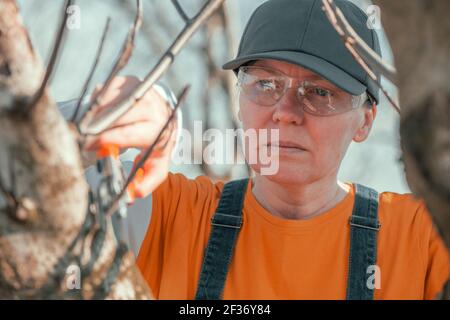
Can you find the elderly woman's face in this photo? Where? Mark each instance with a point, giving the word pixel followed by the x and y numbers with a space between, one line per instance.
pixel 322 141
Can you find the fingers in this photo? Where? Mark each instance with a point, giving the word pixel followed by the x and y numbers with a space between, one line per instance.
pixel 136 135
pixel 139 126
pixel 172 138
pixel 155 169
pixel 151 107
pixel 155 172
pixel 119 88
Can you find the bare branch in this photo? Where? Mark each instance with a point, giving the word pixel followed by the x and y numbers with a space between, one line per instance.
pixel 230 85
pixel 104 119
pixel 158 33
pixel 180 11
pixel 347 32
pixel 91 73
pixel 9 197
pixel 147 153
pixel 124 57
pixel 388 96
pixel 53 57
pixel 368 59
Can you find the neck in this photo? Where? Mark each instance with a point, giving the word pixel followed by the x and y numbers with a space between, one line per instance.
pixel 292 201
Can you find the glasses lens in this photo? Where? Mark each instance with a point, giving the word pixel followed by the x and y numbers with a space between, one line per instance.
pixel 265 87
pixel 261 86
pixel 322 101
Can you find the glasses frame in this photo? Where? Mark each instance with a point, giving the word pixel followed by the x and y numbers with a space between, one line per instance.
pixel 357 101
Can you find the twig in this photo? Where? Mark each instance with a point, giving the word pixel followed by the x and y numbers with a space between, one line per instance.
pixel 10 193
pixel 147 153
pixel 10 198
pixel 227 13
pixel 348 33
pixel 368 59
pixel 93 68
pixel 180 11
pixel 91 125
pixel 121 62
pixel 160 31
pixel 53 57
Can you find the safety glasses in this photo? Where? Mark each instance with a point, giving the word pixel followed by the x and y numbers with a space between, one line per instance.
pixel 266 86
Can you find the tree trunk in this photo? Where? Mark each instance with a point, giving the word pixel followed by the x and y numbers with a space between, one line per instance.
pixel 46 196
pixel 418 31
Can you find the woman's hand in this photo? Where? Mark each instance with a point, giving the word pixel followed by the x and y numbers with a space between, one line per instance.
pixel 138 128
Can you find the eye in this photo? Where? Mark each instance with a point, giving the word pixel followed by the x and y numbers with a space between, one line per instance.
pixel 323 93
pixel 266 85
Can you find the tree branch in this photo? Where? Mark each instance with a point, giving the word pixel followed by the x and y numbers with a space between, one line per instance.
pixel 91 73
pixel 180 10
pixel 122 61
pixel 91 125
pixel 368 59
pixel 53 57
pixel 9 197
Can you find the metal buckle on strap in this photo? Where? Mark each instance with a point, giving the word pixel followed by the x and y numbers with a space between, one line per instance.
pixel 365 227
pixel 227 225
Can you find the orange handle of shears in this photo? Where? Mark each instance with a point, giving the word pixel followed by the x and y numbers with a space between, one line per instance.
pixel 108 150
pixel 111 150
pixel 132 187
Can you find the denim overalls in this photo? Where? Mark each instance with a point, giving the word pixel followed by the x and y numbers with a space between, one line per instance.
pixel 227 221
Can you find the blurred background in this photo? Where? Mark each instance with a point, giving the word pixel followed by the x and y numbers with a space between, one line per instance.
pixel 212 98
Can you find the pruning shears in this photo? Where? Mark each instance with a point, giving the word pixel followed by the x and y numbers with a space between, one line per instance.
pixel 111 185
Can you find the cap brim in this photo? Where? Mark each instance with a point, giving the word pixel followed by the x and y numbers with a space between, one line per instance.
pixel 330 72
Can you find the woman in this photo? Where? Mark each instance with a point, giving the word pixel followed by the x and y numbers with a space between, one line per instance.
pixel 298 233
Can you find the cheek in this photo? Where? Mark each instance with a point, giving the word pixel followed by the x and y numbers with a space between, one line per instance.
pixel 253 116
pixel 255 122
pixel 331 137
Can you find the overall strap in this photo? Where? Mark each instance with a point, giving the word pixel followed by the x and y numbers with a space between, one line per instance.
pixel 226 224
pixel 364 226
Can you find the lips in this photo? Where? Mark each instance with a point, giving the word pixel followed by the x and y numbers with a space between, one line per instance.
pixel 286 145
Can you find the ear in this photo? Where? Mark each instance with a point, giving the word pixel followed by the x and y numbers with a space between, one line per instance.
pixel 364 129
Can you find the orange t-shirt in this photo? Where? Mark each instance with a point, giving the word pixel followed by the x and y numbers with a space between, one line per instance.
pixel 277 258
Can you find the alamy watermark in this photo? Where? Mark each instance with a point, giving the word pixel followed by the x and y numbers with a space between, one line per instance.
pixel 374 17
pixel 73 277
pixel 259 147
pixel 74 17
pixel 374 279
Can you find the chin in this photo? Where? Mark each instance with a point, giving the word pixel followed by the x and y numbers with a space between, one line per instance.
pixel 287 174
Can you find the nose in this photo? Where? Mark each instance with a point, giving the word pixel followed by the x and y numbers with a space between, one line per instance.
pixel 288 109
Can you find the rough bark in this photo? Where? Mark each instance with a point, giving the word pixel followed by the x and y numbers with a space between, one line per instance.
pixel 418 31
pixel 43 185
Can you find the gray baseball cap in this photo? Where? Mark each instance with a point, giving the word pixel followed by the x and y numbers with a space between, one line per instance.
pixel 298 32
